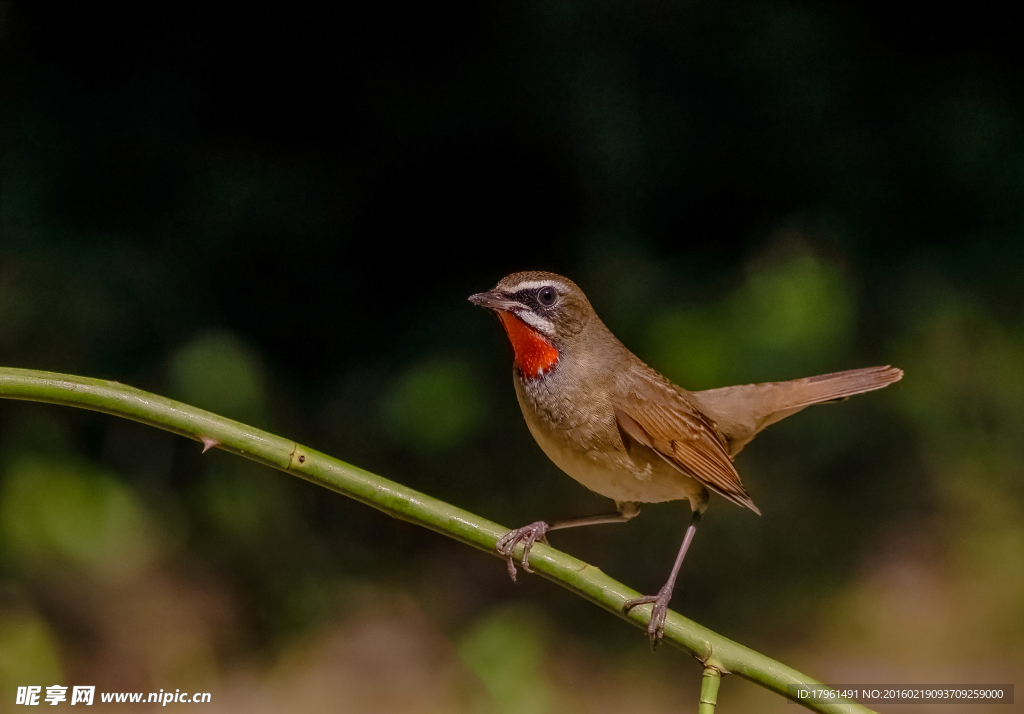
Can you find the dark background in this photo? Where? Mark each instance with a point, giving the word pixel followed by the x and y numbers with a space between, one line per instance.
pixel 276 212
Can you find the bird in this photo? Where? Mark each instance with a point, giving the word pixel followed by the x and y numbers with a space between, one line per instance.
pixel 624 431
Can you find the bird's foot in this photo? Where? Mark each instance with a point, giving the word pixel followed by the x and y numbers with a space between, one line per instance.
pixel 656 626
pixel 527 535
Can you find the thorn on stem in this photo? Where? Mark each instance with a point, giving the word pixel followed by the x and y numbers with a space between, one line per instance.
pixel 208 443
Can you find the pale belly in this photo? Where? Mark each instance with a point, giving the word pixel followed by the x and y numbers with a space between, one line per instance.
pixel 638 476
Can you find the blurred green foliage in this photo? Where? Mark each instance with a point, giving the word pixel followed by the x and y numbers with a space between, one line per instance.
pixel 507 649
pixel 794 313
pixel 28 651
pixel 435 404
pixel 53 509
pixel 216 372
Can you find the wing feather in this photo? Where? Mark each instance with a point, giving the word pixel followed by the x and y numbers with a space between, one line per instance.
pixel 686 440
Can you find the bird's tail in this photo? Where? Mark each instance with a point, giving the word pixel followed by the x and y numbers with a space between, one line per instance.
pixel 742 411
pixel 799 393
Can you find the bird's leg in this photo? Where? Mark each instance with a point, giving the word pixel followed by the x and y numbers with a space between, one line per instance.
pixel 528 535
pixel 656 627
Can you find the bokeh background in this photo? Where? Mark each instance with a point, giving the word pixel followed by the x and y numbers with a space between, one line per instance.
pixel 276 212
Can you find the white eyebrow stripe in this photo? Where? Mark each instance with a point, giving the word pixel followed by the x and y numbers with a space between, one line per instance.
pixel 534 284
pixel 536 321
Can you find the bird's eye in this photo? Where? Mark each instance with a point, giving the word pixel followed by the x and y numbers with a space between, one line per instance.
pixel 546 296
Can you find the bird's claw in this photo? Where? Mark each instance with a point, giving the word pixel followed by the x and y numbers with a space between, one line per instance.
pixel 656 625
pixel 527 535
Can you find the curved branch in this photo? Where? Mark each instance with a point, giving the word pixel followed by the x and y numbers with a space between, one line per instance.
pixel 396 500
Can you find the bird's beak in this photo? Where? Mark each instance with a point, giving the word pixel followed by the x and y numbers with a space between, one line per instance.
pixel 494 301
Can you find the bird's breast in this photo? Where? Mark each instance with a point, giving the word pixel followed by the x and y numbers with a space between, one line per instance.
pixel 575 426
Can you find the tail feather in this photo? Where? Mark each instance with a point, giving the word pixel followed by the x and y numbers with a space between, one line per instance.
pixel 801 393
pixel 741 412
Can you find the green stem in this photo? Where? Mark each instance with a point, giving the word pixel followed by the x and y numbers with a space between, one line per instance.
pixel 117 399
pixel 709 690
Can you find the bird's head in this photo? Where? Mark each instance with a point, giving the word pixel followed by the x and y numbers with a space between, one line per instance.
pixel 542 314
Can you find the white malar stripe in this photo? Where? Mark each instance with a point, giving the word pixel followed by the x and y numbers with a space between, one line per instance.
pixel 537 284
pixel 537 322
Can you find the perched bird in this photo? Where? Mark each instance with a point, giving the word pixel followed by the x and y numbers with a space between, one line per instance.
pixel 622 429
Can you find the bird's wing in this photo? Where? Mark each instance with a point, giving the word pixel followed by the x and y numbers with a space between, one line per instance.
pixel 687 440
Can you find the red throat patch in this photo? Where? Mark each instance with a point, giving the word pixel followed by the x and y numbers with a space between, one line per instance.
pixel 534 354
